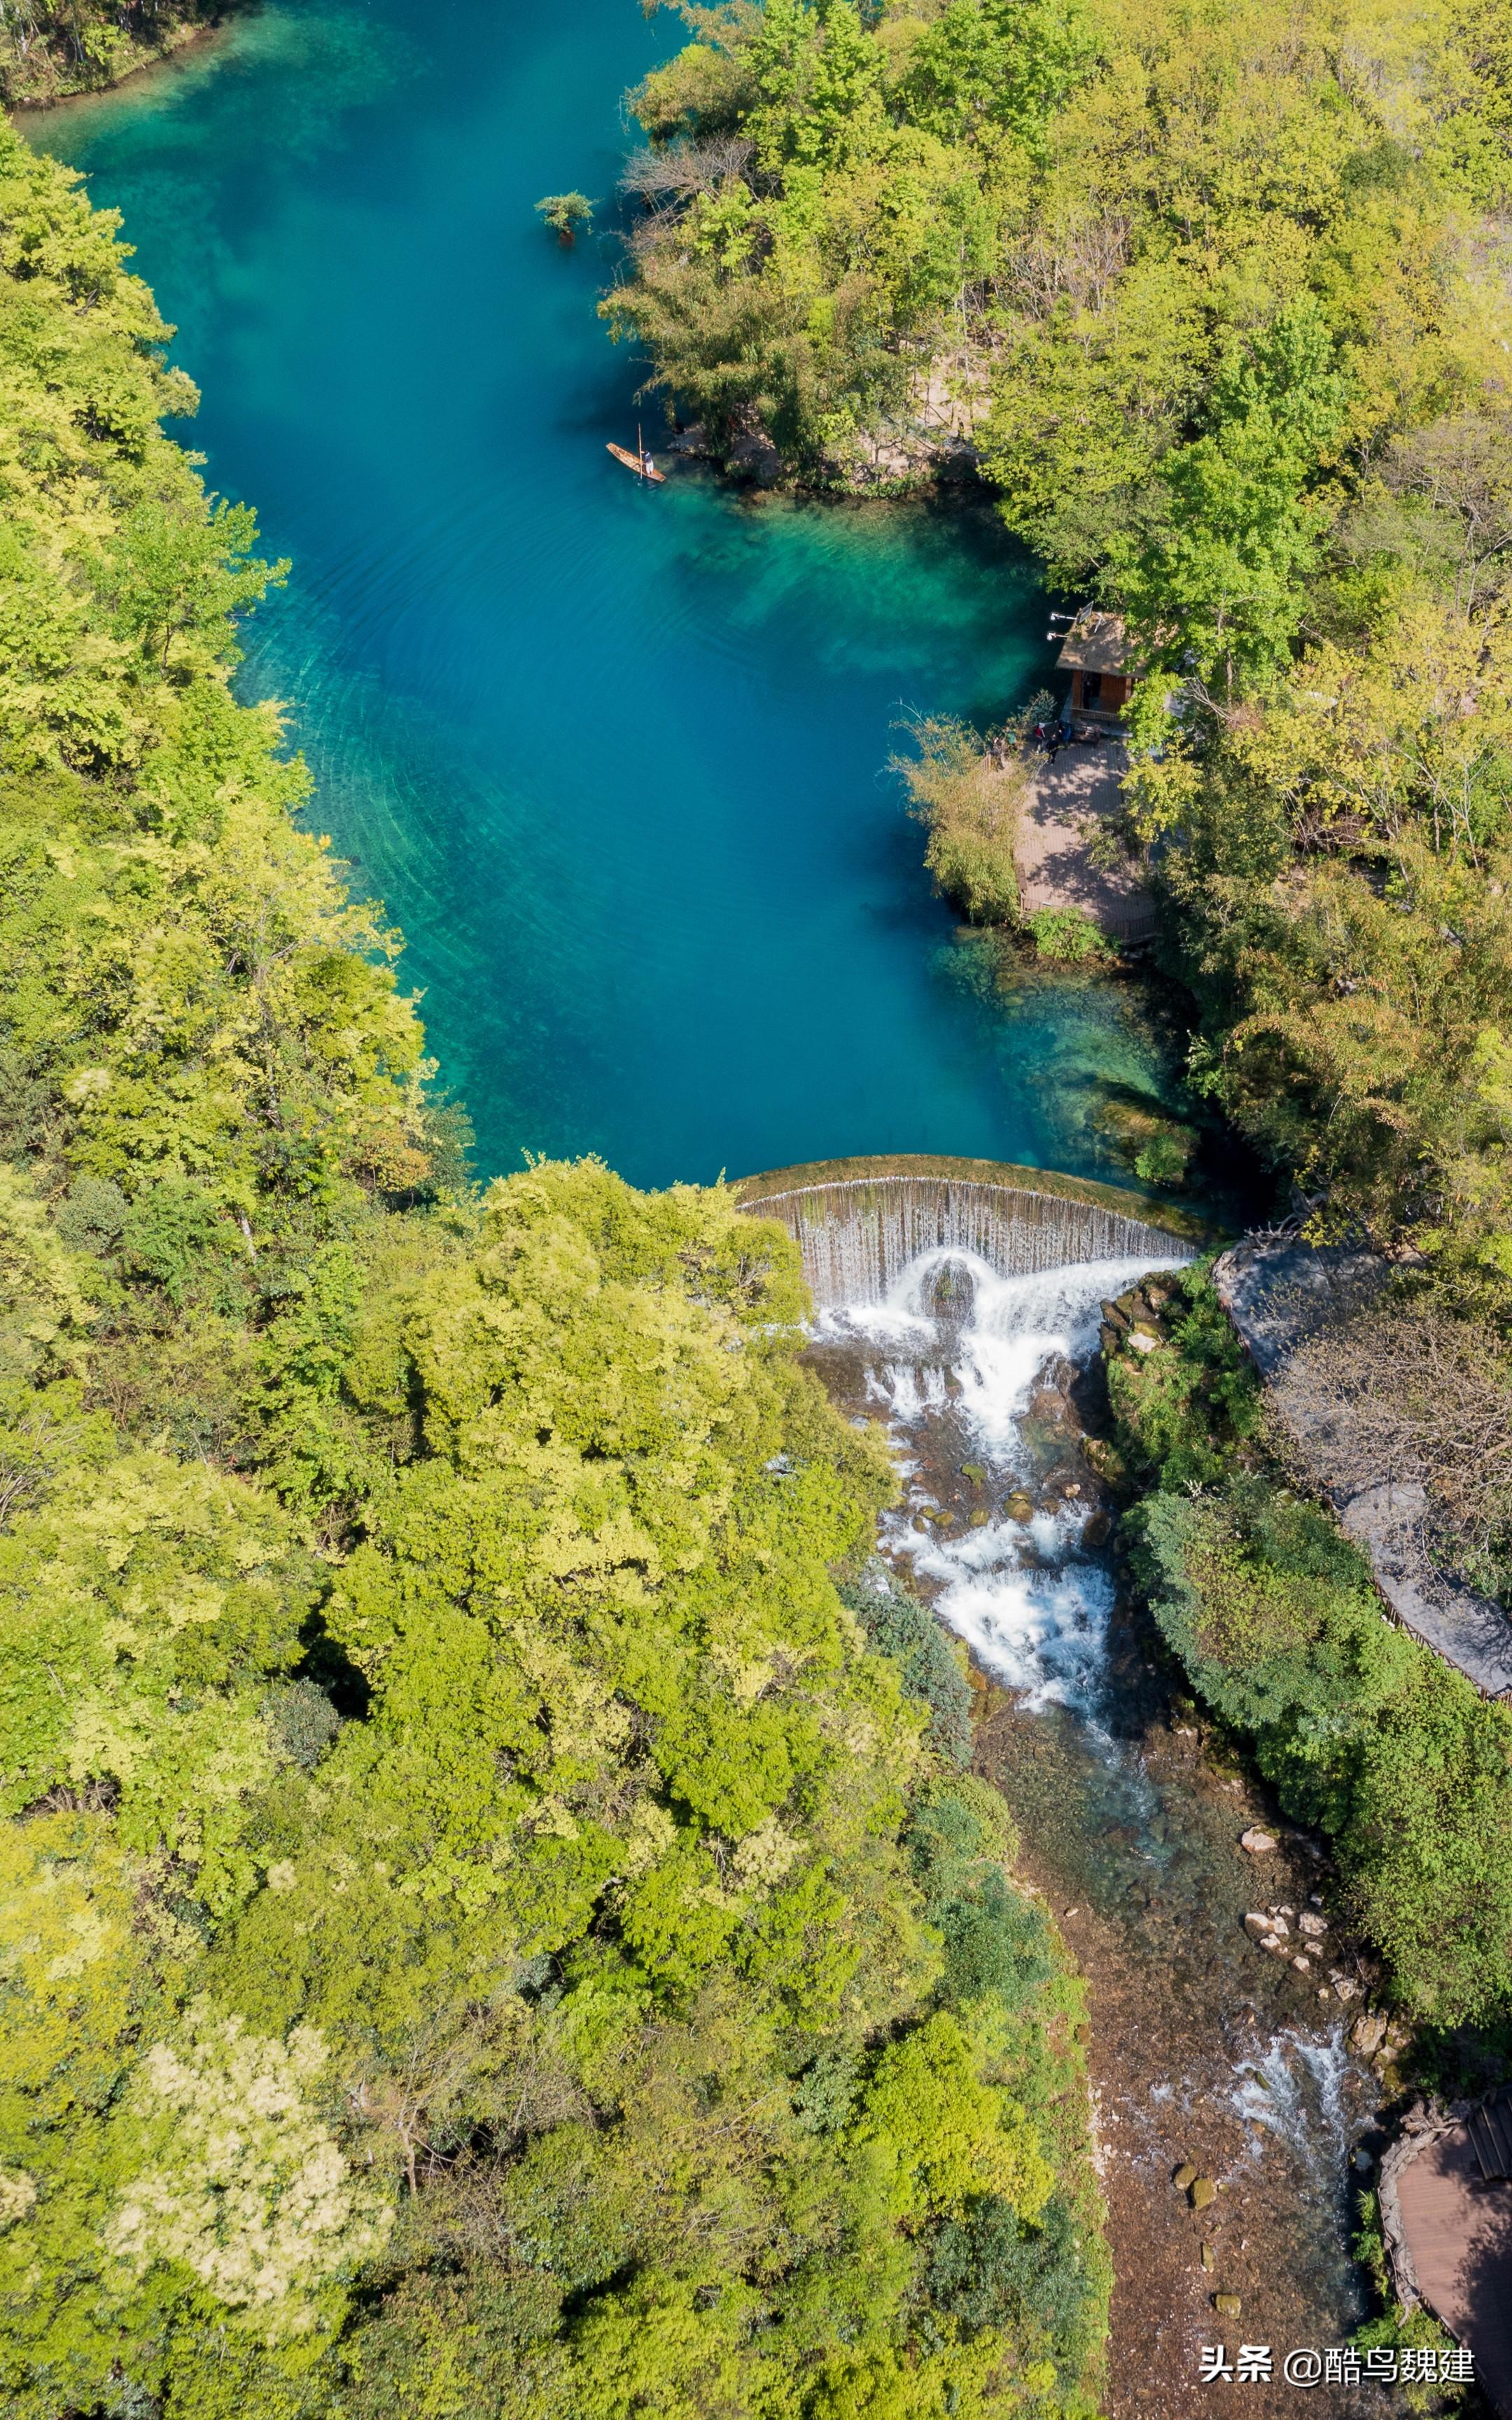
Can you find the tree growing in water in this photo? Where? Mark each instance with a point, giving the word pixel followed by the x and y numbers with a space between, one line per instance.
pixel 569 214
pixel 968 796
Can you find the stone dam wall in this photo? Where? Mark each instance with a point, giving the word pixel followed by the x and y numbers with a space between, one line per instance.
pixel 858 1224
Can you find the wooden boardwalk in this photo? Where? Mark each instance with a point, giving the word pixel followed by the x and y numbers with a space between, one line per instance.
pixel 1064 801
pixel 1448 2206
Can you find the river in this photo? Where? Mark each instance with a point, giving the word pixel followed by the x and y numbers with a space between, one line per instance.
pixel 616 760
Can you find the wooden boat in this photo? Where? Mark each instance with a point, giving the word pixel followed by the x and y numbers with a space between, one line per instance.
pixel 642 464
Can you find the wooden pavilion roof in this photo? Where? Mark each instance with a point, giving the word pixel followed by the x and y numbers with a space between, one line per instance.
pixel 1096 643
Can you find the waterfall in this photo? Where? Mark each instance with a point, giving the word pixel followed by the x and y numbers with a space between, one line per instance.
pixel 967 1352
pixel 858 1233
pixel 958 1379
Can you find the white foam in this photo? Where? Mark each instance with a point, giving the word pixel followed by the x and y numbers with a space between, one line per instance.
pixel 1029 1599
pixel 1042 1633
pixel 1294 2091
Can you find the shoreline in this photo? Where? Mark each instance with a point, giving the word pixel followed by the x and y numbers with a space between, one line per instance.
pixel 172 55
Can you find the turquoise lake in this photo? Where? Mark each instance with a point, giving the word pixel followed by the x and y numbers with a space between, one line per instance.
pixel 614 759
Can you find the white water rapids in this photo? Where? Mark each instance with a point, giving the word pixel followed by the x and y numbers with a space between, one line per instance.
pixel 1031 1604
pixel 968 1369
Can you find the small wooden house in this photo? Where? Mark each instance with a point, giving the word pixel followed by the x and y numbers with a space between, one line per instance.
pixel 1097 654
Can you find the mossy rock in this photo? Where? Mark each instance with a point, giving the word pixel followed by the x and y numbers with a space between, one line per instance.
pixel 1106 1461
pixel 1158 1147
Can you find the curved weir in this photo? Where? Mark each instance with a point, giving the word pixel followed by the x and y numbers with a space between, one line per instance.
pixel 860 1223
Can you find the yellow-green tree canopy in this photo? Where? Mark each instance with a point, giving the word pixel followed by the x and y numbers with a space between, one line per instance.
pixel 479 1918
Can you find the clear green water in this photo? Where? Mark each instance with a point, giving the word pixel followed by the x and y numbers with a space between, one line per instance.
pixel 613 759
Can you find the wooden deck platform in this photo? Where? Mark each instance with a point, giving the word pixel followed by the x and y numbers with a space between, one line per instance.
pixel 1446 2199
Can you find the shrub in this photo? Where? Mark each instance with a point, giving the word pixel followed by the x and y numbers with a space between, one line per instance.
pixel 1068 935
pixel 905 1631
pixel 992 2269
pixel 1184 1411
pixel 969 799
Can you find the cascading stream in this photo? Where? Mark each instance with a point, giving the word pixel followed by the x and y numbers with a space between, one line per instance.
pixel 1204 2048
pixel 960 1346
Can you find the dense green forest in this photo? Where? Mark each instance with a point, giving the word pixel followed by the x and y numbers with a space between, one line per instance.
pixel 1222 294
pixel 494 1917
pixel 52 47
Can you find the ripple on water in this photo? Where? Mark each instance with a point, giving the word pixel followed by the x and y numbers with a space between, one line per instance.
pixel 1298 2088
